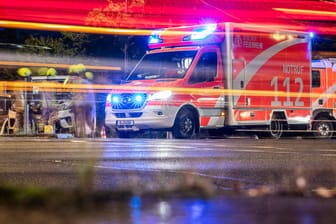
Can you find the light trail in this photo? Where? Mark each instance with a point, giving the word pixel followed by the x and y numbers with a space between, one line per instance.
pixel 105 88
pixel 36 64
pixel 307 12
pixel 73 28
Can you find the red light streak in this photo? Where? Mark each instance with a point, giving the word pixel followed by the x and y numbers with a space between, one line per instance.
pixel 308 12
pixel 72 28
pixel 157 14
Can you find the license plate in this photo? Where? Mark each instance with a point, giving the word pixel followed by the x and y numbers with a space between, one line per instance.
pixel 125 123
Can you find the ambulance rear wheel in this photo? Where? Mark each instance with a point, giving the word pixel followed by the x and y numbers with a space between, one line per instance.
pixel 276 128
pixel 323 128
pixel 185 124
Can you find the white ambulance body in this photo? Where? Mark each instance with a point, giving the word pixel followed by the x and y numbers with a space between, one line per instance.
pixel 217 77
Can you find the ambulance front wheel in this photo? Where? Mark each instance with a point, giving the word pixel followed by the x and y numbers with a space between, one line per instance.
pixel 185 124
pixel 323 128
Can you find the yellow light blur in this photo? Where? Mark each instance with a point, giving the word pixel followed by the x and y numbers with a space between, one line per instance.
pixel 306 12
pixel 100 88
pixel 72 28
pixel 35 64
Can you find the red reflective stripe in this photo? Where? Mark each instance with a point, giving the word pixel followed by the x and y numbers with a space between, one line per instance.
pixel 205 121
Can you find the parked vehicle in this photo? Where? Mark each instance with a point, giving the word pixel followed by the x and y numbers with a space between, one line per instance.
pixel 51 108
pixel 222 77
pixel 63 121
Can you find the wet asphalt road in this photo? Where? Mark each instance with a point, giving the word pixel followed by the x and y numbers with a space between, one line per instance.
pixel 148 165
pixel 154 163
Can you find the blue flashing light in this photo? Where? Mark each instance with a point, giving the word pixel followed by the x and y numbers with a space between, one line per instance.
pixel 202 32
pixel 311 34
pixel 115 99
pixel 128 100
pixel 155 37
pixel 138 98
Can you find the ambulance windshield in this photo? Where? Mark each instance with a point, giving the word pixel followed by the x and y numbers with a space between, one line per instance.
pixel 163 66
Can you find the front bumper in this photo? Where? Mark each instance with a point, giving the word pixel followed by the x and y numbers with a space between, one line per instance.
pixel 150 117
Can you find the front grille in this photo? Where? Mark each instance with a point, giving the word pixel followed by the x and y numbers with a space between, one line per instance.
pixel 128 115
pixel 129 101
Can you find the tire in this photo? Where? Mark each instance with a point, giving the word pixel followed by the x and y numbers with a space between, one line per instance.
pixel 276 128
pixel 184 125
pixel 323 128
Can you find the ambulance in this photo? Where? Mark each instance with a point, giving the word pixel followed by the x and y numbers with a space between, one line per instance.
pixel 220 78
pixel 323 97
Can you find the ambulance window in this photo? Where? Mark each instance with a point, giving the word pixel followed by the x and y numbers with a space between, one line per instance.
pixel 163 65
pixel 206 69
pixel 183 66
pixel 316 80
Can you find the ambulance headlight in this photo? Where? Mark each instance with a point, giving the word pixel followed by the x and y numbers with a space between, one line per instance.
pixel 162 95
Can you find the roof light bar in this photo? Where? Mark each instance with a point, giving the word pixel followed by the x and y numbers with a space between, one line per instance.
pixel 200 33
pixel 311 34
pixel 154 38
